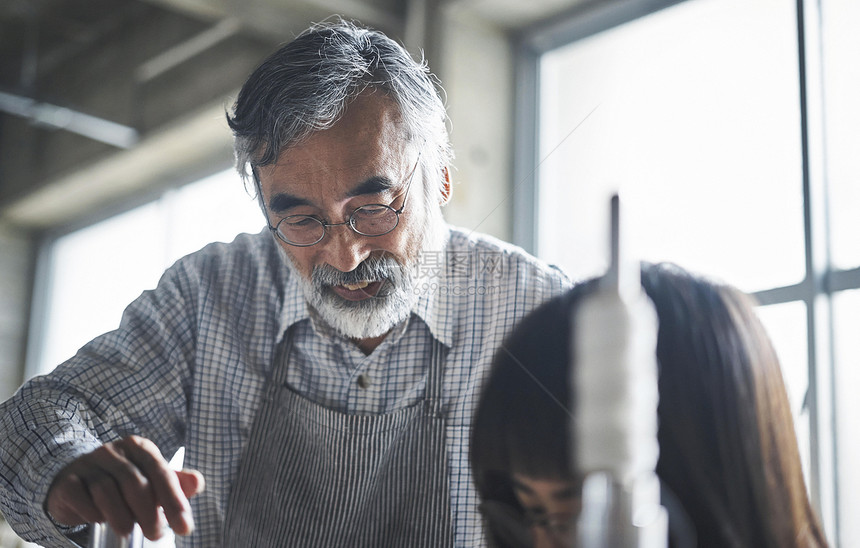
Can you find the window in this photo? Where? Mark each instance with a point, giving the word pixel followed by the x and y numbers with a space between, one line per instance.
pixel 713 119
pixel 847 378
pixel 699 139
pixel 840 41
pixel 94 272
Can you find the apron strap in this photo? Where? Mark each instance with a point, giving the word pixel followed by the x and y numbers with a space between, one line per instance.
pixel 436 373
pixel 282 353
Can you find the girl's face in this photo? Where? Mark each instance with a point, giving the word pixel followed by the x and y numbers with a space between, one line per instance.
pixel 551 507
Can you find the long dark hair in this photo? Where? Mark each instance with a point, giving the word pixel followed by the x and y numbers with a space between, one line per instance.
pixel 728 449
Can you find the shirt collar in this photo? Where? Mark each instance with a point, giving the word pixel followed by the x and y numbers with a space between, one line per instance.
pixel 435 301
pixel 295 306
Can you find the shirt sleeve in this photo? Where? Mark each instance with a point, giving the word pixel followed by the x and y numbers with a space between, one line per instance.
pixel 134 380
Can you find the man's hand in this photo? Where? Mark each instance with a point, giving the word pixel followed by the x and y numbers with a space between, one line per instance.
pixel 121 483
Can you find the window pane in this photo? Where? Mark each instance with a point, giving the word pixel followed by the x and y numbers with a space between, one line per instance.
pixel 214 209
pixel 693 113
pixel 846 325
pixel 99 270
pixel 786 325
pixel 841 43
pixel 96 271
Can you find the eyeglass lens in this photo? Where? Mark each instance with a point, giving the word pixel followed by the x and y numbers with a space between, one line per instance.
pixel 369 220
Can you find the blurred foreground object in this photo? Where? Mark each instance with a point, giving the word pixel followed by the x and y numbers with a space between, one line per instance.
pixel 614 433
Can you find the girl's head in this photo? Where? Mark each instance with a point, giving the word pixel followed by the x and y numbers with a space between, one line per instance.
pixel 727 446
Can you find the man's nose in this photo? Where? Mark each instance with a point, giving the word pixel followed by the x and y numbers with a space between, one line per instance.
pixel 344 249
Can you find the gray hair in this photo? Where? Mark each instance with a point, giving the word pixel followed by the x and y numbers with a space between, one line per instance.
pixel 306 85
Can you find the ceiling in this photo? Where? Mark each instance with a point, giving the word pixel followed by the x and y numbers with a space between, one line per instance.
pixel 91 91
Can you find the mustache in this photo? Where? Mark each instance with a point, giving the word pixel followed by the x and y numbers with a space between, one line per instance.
pixel 383 267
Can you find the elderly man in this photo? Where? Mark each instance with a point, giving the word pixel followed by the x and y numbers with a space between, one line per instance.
pixel 321 375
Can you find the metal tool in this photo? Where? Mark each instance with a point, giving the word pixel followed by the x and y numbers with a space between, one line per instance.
pixel 103 536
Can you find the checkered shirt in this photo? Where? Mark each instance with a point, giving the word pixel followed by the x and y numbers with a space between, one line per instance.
pixel 188 364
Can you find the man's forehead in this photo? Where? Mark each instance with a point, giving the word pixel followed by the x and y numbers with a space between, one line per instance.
pixel 326 169
pixel 369 132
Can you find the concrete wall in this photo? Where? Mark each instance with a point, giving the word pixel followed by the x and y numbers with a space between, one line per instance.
pixel 476 69
pixel 17 254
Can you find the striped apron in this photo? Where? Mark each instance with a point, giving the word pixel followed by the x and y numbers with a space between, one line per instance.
pixel 311 476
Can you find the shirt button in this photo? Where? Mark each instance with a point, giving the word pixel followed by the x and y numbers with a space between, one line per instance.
pixel 363 381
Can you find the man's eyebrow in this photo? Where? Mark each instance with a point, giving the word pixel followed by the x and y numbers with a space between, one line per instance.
pixel 282 201
pixel 374 185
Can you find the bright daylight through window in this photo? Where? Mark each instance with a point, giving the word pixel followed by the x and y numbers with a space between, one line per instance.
pixel 93 273
pixel 695 113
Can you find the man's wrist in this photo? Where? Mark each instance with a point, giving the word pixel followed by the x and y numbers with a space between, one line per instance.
pixel 65 529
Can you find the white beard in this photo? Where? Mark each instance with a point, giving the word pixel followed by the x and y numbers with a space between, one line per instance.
pixel 367 318
pixel 377 315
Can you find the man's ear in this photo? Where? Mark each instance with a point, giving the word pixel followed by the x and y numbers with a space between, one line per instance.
pixel 446 186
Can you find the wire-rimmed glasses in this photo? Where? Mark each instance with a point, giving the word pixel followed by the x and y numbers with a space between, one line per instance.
pixel 366 220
